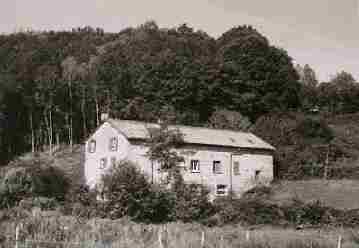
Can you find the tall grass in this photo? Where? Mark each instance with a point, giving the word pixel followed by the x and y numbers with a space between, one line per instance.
pixel 124 233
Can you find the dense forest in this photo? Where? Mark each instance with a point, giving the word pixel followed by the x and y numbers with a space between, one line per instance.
pixel 55 85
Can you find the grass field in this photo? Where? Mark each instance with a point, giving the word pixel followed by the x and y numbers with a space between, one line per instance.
pixel 340 194
pixel 124 233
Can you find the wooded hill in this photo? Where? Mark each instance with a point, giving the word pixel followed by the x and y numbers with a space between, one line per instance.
pixel 55 85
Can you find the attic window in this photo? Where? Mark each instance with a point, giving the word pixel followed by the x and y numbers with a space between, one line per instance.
pixel 91 146
pixel 113 144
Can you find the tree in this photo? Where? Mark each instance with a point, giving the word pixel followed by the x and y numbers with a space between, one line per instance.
pixel 295 136
pixel 255 77
pixel 162 143
pixel 48 78
pixel 340 94
pixel 127 192
pixel 69 67
pixel 307 76
pixel 226 119
pixel 308 91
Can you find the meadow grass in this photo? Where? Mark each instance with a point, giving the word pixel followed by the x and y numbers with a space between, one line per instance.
pixel 125 233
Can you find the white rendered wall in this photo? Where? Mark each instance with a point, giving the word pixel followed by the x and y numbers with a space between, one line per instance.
pixel 92 160
pixel 249 161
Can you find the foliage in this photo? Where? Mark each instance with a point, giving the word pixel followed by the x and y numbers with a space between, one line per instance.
pixel 192 203
pixel 55 85
pixel 314 129
pixel 127 192
pixel 304 144
pixel 162 144
pixel 339 95
pixel 307 76
pixel 252 208
pixel 42 203
pixel 134 74
pixel 313 213
pixel 226 119
pixel 31 178
pixel 244 55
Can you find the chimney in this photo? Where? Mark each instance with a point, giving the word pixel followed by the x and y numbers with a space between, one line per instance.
pixel 104 117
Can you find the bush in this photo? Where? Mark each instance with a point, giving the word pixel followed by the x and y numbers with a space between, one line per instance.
pixel 43 203
pixel 80 201
pixel 27 179
pixel 312 213
pixel 246 211
pixel 192 203
pixel 126 191
pixel 314 129
pixel 302 144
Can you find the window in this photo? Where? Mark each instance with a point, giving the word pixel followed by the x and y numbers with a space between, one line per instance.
pixel 91 146
pixel 103 163
pixel 256 174
pixel 236 168
pixel 113 144
pixel 217 167
pixel 113 161
pixel 221 189
pixel 195 166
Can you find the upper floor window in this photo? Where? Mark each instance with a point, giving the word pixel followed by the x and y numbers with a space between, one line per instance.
pixel 113 144
pixel 103 163
pixel 91 147
pixel 217 167
pixel 236 168
pixel 195 166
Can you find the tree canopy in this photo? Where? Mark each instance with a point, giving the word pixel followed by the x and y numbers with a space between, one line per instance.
pixel 55 85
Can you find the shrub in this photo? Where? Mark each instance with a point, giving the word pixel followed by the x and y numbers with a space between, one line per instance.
pixel 43 203
pixel 126 191
pixel 312 213
pixel 247 211
pixel 26 179
pixel 314 129
pixel 192 203
pixel 80 201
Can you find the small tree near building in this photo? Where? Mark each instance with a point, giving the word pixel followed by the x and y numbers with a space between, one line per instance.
pixel 162 144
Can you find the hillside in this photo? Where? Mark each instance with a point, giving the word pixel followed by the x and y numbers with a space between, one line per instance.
pixel 55 85
pixel 70 162
pixel 340 194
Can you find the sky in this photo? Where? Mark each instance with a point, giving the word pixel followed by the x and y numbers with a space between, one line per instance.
pixel 321 33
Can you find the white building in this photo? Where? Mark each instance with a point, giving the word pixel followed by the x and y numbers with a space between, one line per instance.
pixel 221 159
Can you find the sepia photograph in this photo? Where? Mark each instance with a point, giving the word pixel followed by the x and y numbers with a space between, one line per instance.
pixel 179 124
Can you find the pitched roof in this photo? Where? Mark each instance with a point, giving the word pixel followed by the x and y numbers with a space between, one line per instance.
pixel 193 135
